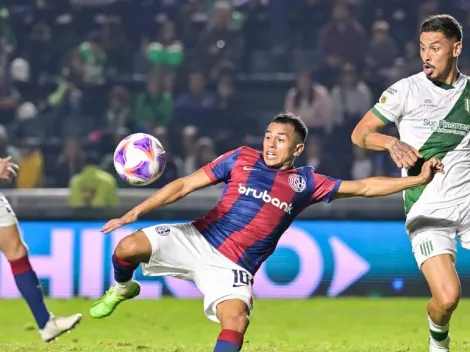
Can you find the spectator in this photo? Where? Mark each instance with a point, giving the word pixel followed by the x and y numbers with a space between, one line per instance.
pixel 69 163
pixel 314 152
pixel 341 40
pixel 93 187
pixel 7 38
pixel 66 104
pixel 140 63
pixel 412 63
pixel 154 107
pixel 95 59
pixel 351 98
pixel 42 52
pixel 116 46
pixel 7 149
pixel 167 51
pixel 119 113
pixel 75 68
pixel 219 42
pixel 204 153
pixel 9 99
pixel 27 122
pixel 198 106
pixel 382 48
pixel 312 16
pixel 31 166
pixel 229 129
pixel 309 100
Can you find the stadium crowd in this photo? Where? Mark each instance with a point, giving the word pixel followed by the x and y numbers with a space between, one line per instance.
pixel 203 76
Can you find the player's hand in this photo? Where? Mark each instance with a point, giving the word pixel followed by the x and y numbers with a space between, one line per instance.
pixel 429 169
pixel 8 169
pixel 402 154
pixel 114 224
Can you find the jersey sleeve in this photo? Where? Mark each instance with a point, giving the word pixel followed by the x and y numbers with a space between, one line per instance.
pixel 220 169
pixel 324 188
pixel 390 107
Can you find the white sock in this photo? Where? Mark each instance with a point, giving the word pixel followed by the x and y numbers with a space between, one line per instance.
pixel 122 287
pixel 438 333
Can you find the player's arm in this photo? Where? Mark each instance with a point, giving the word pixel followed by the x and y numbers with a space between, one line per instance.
pixel 366 134
pixel 174 191
pixel 216 171
pixel 390 108
pixel 170 193
pixel 383 186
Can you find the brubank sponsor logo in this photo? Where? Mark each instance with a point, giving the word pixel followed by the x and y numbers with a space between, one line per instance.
pixel 264 195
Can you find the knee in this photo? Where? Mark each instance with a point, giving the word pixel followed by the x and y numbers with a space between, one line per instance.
pixel 233 316
pixel 134 247
pixel 126 248
pixel 235 320
pixel 15 250
pixel 448 300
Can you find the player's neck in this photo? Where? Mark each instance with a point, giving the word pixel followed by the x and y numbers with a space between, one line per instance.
pixel 452 76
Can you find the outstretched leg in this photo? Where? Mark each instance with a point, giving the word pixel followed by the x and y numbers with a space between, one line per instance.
pixel 129 253
pixel 26 280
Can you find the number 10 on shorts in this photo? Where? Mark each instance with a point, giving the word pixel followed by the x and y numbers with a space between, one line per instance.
pixel 240 278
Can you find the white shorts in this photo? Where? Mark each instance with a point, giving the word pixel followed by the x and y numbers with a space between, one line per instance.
pixel 434 232
pixel 179 250
pixel 7 215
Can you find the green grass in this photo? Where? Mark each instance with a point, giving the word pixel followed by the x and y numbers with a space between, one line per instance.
pixel 168 325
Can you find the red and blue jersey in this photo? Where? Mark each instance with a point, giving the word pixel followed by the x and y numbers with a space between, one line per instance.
pixel 258 204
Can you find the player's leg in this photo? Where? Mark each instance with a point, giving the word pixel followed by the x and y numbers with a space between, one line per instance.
pixel 445 289
pixel 233 316
pixel 432 233
pixel 162 250
pixel 228 298
pixel 434 250
pixel 128 254
pixel 13 247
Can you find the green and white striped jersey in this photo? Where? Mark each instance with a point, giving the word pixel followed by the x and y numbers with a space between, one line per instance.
pixel 434 118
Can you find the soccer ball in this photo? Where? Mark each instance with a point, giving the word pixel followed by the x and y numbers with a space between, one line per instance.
pixel 139 159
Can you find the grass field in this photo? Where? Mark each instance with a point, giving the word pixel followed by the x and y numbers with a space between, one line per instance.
pixel 168 325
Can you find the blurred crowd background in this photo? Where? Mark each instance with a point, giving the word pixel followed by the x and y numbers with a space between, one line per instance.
pixel 203 76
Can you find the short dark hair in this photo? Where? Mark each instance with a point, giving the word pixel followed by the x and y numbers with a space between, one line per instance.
pixel 445 24
pixel 295 121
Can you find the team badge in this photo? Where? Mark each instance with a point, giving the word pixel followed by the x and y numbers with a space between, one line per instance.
pixel 297 183
pixel 163 230
pixel 383 99
pixel 426 247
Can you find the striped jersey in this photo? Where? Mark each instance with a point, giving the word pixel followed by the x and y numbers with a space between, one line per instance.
pixel 257 205
pixel 434 118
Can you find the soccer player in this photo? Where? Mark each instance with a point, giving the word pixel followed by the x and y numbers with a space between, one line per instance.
pixel 222 251
pixel 13 247
pixel 432 112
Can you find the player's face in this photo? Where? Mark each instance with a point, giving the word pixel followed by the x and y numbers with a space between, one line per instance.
pixel 439 54
pixel 281 146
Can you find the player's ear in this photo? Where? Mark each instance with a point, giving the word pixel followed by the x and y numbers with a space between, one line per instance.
pixel 457 49
pixel 299 148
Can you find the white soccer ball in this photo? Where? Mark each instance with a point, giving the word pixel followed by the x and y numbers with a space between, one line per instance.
pixel 139 159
